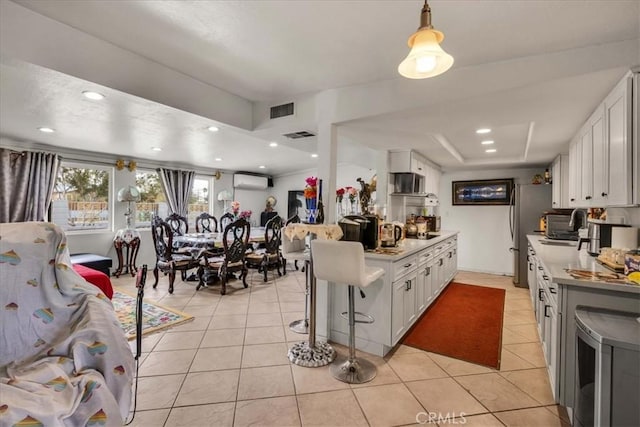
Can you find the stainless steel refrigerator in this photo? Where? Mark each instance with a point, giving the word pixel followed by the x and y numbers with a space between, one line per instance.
pixel 528 203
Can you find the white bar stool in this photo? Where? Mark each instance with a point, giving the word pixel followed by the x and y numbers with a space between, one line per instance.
pixel 295 250
pixel 342 262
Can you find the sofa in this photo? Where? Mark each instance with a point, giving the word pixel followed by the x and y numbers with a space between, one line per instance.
pixel 64 359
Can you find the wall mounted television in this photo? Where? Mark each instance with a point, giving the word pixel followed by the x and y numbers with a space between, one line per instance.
pixel 482 192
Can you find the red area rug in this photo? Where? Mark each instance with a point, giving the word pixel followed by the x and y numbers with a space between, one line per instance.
pixel 465 322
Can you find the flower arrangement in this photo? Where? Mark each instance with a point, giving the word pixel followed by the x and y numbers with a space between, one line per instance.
pixel 311 189
pixel 235 207
pixel 245 215
pixel 352 192
pixel 340 194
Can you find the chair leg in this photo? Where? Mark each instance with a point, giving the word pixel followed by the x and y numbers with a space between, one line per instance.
pixel 155 274
pixel 295 264
pixel 172 278
pixel 265 267
pixel 244 274
pixel 200 278
pixel 353 370
pixel 284 266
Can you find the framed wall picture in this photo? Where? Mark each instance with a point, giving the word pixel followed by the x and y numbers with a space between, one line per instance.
pixel 295 203
pixel 482 192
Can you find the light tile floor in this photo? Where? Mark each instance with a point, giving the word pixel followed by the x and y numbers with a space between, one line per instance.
pixel 229 367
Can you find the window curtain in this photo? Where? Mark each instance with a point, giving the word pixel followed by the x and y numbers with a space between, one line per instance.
pixel 28 179
pixel 177 188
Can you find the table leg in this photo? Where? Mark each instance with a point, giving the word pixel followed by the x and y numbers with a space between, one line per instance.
pixel 312 354
pixel 118 246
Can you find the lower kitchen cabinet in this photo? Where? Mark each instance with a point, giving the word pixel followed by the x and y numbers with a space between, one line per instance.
pixel 399 298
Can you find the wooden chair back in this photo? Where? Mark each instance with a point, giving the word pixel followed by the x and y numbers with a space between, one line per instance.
pixel 179 224
pixel 206 223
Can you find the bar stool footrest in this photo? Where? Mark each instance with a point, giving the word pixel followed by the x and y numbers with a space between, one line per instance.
pixel 369 319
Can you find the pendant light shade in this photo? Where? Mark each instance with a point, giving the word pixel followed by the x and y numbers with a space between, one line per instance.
pixel 426 58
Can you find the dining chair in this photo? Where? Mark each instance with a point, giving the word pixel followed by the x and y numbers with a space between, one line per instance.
pixel 235 240
pixel 292 220
pixel 269 255
pixel 168 259
pixel 225 220
pixel 179 224
pixel 206 223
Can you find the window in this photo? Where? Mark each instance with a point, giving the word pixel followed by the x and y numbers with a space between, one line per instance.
pixel 152 200
pixel 81 197
pixel 199 201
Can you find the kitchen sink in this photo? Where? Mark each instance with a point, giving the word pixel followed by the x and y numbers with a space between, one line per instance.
pixel 559 242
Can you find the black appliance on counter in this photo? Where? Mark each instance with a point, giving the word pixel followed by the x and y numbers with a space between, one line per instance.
pixel 361 228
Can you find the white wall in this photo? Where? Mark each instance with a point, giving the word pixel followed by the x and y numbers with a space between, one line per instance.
pixel 346 176
pixel 485 239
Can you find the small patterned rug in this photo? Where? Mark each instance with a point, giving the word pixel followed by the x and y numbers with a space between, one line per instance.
pixel 155 317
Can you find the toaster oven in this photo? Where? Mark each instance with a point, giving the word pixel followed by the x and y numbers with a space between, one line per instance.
pixel 558 228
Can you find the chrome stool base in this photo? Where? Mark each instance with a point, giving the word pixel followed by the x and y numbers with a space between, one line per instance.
pixel 300 326
pixel 303 354
pixel 353 371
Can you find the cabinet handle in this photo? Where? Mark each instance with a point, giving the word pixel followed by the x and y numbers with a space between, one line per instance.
pixel 554 203
pixel 408 265
pixel 427 272
pixel 540 267
pixel 450 253
pixel 573 200
pixel 545 310
pixel 540 292
pixel 588 198
pixel 545 277
pixel 441 261
pixel 552 290
pixel 604 194
pixel 530 265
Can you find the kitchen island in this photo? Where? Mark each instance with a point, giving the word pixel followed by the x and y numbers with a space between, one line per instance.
pixel 415 274
pixel 555 296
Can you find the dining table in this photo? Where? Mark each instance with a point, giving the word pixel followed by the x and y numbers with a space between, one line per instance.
pixel 196 243
pixel 312 353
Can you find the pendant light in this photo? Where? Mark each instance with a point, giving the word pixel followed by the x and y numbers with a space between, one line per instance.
pixel 426 58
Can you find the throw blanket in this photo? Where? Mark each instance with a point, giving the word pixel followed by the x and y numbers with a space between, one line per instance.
pixel 64 359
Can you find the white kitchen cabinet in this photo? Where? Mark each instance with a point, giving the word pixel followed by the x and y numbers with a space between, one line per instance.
pixel 405 162
pixel 618 131
pixel 404 305
pixel 603 157
pixel 560 182
pixel 574 173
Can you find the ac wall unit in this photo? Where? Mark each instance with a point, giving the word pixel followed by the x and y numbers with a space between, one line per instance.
pixel 250 182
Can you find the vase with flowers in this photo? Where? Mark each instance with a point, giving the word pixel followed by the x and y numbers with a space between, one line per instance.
pixel 352 193
pixel 245 215
pixel 339 197
pixel 235 208
pixel 311 198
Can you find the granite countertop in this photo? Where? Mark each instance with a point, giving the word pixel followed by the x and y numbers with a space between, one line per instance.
pixel 410 247
pixel 557 259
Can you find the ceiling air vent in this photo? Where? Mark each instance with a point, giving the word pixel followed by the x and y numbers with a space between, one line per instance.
pixel 282 110
pixel 297 135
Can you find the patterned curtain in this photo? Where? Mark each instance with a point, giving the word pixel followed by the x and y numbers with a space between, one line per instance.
pixel 177 188
pixel 27 181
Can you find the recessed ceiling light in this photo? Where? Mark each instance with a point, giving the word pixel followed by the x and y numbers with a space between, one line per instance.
pixel 46 130
pixel 273 144
pixel 483 130
pixel 314 155
pixel 490 150
pixel 261 167
pixel 218 159
pixel 487 142
pixel 93 95
pixel 213 128
pixel 156 148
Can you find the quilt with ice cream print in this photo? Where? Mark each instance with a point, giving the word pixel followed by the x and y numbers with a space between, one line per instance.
pixel 64 359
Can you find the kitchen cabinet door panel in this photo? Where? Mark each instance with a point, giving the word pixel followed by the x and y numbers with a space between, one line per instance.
pixel 618 133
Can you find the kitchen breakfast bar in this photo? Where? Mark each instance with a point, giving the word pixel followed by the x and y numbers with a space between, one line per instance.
pixel 415 274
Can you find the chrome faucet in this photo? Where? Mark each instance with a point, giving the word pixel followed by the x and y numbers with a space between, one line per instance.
pixel 583 218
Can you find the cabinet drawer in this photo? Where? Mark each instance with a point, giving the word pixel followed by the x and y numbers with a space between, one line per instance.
pixel 404 266
pixel 425 256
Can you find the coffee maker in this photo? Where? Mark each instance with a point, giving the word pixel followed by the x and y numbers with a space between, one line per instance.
pixel 362 228
pixel 598 236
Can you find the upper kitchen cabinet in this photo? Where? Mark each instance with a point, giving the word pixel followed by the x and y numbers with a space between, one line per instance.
pixel 560 182
pixel 603 157
pixel 618 110
pixel 412 162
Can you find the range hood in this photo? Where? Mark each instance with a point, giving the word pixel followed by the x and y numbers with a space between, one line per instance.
pixel 408 184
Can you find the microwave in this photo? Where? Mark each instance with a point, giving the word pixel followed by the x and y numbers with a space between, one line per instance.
pixel 408 183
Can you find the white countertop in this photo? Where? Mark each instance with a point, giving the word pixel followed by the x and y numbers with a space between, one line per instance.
pixel 556 259
pixel 411 247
